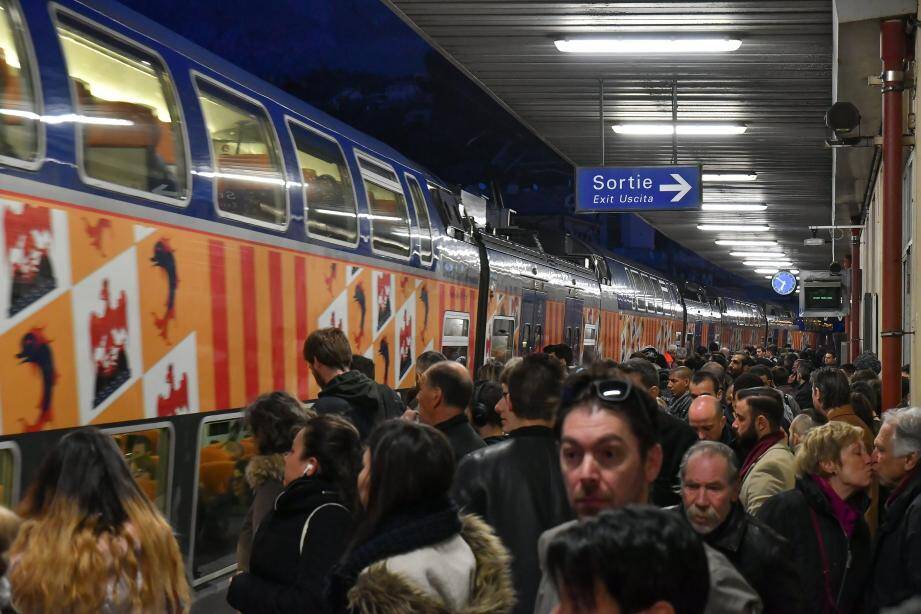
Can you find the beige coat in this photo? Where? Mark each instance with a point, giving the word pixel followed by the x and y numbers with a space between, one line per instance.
pixel 773 473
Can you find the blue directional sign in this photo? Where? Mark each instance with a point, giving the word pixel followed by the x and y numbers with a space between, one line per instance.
pixel 643 188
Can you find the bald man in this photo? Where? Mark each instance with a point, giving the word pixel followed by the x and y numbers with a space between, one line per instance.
pixel 679 384
pixel 444 394
pixel 706 417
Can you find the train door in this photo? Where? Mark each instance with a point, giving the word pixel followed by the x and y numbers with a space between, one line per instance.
pixel 698 336
pixel 572 327
pixel 531 333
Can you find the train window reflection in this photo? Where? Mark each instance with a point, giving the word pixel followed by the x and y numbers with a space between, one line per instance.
pixel 422 215
pixel 18 108
pixel 455 336
pixel 147 453
pixel 131 133
pixel 223 499
pixel 9 474
pixel 503 330
pixel 387 205
pixel 329 201
pixel 249 180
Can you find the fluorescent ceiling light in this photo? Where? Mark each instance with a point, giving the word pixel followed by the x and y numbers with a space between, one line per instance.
pixel 727 177
pixel 766 271
pixel 721 207
pixel 747 243
pixel 685 128
pixel 734 227
pixel 794 271
pixel 755 254
pixel 767 263
pixel 647 44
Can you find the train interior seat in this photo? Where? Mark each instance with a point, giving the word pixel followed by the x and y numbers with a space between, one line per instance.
pixel 215 476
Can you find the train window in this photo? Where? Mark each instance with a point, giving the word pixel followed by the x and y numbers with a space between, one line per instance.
pixel 639 300
pixel 422 215
pixel 387 205
pixel 19 110
pixel 131 135
pixel 249 175
pixel 526 338
pixel 589 344
pixel 538 336
pixel 10 467
pixel 223 497
pixel 329 198
pixel 503 331
pixel 148 452
pixel 455 335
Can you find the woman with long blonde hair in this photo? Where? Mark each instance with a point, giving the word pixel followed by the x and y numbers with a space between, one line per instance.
pixel 91 541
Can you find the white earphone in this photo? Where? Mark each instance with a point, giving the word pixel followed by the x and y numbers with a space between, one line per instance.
pixel 309 468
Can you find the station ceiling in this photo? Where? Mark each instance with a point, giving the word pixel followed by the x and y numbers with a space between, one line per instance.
pixel 778 84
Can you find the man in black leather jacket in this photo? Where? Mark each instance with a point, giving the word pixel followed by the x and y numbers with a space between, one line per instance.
pixel 710 503
pixel 516 486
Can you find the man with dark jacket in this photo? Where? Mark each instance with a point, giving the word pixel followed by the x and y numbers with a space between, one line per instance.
pixel 675 435
pixel 710 503
pixel 516 486
pixel 444 394
pixel 896 573
pixel 351 394
pixel 679 383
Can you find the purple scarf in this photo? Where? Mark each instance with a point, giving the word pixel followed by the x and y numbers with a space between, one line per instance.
pixel 845 513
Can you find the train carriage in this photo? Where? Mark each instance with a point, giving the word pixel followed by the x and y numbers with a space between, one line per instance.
pixel 172 228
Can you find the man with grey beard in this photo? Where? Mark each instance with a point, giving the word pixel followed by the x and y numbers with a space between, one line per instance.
pixel 709 476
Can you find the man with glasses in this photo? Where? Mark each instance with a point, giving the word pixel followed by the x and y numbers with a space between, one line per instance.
pixel 610 455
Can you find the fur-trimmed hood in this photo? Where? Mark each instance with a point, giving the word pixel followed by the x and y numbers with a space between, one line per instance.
pixel 265 468
pixel 380 591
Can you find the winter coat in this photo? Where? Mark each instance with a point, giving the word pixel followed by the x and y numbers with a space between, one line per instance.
pixel 729 592
pixel 461 435
pixel 773 473
pixel 362 400
pixel 676 436
pixel 896 571
pixel 467 572
pixel 680 405
pixel 763 558
pixel 294 549
pixel 789 514
pixel 265 475
pixel 846 414
pixel 516 486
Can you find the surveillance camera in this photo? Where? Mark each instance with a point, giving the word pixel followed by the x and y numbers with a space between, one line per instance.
pixel 834 268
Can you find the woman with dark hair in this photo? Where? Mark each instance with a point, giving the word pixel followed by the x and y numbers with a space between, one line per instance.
pixel 273 419
pixel 866 402
pixel 91 541
pixel 300 540
pixel 412 551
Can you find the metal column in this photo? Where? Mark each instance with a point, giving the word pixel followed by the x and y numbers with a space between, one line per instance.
pixel 854 317
pixel 893 51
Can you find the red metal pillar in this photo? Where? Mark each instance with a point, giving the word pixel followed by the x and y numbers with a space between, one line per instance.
pixel 854 317
pixel 893 49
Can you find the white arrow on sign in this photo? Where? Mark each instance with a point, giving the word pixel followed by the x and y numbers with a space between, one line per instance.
pixel 682 187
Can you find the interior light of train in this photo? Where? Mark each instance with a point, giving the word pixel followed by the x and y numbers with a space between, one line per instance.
pixel 67 118
pixel 248 178
pixel 647 45
pixel 727 177
pixel 722 207
pixel 743 243
pixel 681 128
pixel 734 227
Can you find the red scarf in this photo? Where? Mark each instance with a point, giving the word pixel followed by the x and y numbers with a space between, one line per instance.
pixel 758 451
pixel 845 513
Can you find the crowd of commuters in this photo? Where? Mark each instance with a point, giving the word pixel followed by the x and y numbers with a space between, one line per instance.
pixel 757 480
